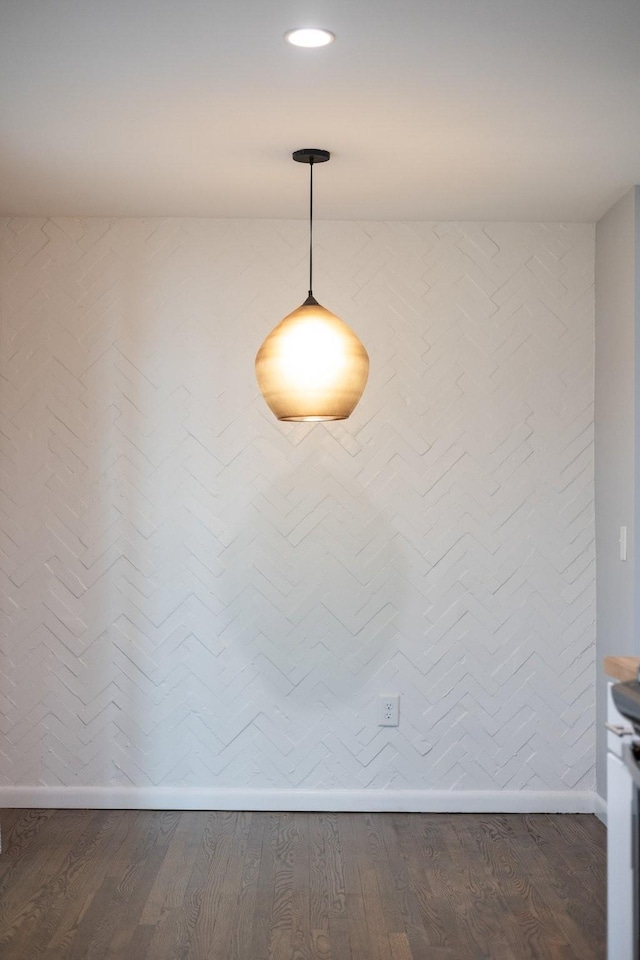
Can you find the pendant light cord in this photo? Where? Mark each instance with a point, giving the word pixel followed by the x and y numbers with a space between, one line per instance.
pixel 311 228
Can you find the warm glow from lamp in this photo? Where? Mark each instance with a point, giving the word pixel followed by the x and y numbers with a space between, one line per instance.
pixel 312 366
pixel 312 355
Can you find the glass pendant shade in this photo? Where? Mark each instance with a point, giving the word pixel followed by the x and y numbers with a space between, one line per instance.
pixel 312 366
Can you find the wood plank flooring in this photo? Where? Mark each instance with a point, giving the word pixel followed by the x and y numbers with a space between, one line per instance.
pixel 131 885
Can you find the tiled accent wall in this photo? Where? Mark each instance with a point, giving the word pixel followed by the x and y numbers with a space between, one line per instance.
pixel 194 594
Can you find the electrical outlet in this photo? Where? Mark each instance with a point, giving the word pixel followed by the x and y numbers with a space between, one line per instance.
pixel 388 709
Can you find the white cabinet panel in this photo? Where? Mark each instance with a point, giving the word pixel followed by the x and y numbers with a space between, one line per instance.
pixel 619 871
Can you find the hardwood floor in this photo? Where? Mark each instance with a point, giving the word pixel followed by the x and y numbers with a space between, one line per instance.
pixel 131 885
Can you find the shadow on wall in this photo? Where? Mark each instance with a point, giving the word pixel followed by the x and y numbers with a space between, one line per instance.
pixel 155 608
pixel 311 584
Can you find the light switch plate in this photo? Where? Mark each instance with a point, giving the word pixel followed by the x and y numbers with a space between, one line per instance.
pixel 623 543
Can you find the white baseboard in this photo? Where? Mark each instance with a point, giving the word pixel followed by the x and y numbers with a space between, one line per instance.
pixel 600 808
pixel 370 801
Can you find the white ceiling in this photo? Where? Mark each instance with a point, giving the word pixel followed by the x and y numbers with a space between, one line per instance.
pixel 433 109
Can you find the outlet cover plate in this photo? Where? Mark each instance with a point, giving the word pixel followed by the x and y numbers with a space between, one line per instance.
pixel 388 710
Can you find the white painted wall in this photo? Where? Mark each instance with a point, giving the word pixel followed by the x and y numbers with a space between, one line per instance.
pixel 616 426
pixel 195 596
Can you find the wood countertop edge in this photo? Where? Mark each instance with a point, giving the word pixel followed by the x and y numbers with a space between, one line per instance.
pixel 622 668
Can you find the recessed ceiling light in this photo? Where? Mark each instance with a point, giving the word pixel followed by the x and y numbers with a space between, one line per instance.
pixel 309 37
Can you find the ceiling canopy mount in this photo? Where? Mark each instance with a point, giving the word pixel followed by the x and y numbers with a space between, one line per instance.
pixel 311 155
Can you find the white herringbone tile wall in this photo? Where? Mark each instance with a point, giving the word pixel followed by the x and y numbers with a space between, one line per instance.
pixel 194 594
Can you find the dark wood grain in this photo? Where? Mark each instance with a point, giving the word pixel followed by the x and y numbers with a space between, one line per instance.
pixel 334 866
pixel 132 885
pixel 244 910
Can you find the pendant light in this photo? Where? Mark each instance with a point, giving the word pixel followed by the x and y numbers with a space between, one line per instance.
pixel 312 366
